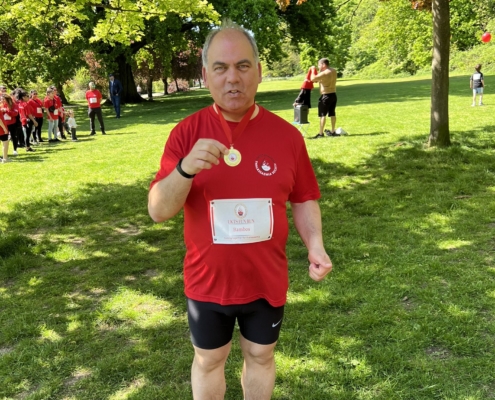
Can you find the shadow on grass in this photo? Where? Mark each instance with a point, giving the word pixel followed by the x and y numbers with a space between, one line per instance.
pixel 94 303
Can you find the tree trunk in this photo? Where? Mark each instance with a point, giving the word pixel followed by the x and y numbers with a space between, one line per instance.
pixel 149 86
pixel 165 85
pixel 439 123
pixel 129 91
pixel 60 92
pixel 177 89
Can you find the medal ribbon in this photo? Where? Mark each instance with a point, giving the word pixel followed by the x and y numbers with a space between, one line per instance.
pixel 239 128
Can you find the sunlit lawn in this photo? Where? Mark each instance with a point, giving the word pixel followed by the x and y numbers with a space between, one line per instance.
pixel 91 294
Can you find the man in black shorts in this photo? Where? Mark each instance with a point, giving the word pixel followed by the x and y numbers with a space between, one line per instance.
pixel 225 166
pixel 327 79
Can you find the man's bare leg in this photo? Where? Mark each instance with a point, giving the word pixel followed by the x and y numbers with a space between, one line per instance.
pixel 258 373
pixel 322 124
pixel 208 373
pixel 333 120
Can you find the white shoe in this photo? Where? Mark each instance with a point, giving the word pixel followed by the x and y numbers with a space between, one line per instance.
pixel 5 161
pixel 14 153
pixel 473 105
pixel 481 104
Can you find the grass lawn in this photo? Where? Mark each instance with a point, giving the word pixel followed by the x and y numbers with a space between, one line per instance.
pixel 91 292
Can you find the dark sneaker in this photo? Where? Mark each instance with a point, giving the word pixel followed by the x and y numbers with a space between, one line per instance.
pixel 92 134
pixel 318 136
pixel 52 140
pixel 30 149
pixel 103 133
pixel 335 134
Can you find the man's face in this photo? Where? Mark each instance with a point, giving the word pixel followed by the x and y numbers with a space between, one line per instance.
pixel 232 75
pixel 322 67
pixel 111 79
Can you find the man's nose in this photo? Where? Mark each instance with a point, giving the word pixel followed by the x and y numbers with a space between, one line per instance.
pixel 232 75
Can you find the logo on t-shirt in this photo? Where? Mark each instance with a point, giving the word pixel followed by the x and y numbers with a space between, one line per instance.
pixel 240 210
pixel 265 165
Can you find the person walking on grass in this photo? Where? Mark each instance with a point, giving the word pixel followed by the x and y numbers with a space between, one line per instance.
pixel 52 114
pixel 327 79
pixel 477 84
pixel 59 113
pixel 115 93
pixel 10 111
pixel 4 136
pixel 72 125
pixel 93 97
pixel 37 105
pixel 27 119
pixel 233 167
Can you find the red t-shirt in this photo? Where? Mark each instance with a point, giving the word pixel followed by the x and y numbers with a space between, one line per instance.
pixel 36 107
pixel 24 111
pixel 58 101
pixel 94 98
pixel 9 114
pixel 275 165
pixel 2 131
pixel 51 103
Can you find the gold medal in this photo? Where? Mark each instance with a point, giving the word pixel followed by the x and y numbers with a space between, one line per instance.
pixel 233 159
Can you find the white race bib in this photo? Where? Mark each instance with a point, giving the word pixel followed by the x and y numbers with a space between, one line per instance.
pixel 93 100
pixel 55 112
pixel 39 110
pixel 6 117
pixel 238 221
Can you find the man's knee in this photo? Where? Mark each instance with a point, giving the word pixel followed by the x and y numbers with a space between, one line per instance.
pixel 208 360
pixel 258 353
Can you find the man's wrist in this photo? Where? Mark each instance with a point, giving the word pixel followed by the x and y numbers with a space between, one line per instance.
pixel 182 172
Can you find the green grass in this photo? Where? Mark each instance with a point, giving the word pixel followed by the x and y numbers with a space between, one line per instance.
pixel 91 293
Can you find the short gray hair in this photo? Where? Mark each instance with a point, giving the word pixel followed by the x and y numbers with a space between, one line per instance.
pixel 229 24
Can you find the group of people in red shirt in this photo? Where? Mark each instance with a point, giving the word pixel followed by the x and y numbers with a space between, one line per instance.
pixel 21 119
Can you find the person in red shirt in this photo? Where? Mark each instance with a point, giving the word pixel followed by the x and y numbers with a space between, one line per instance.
pixel 52 113
pixel 4 135
pixel 37 107
pixel 93 97
pixel 10 112
pixel 233 167
pixel 27 119
pixel 60 109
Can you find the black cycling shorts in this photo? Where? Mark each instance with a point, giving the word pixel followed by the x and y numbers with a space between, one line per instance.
pixel 327 104
pixel 212 324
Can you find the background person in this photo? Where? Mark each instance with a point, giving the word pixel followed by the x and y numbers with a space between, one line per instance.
pixel 327 79
pixel 52 114
pixel 4 135
pixel 9 110
pixel 230 275
pixel 37 106
pixel 71 123
pixel 93 97
pixel 59 113
pixel 27 119
pixel 115 93
pixel 304 96
pixel 477 84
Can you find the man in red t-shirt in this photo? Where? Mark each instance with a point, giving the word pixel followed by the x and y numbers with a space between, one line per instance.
pixel 93 97
pixel 50 105
pixel 233 167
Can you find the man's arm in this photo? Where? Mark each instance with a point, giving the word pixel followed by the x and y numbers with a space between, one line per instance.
pixel 307 219
pixel 167 197
pixel 314 73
